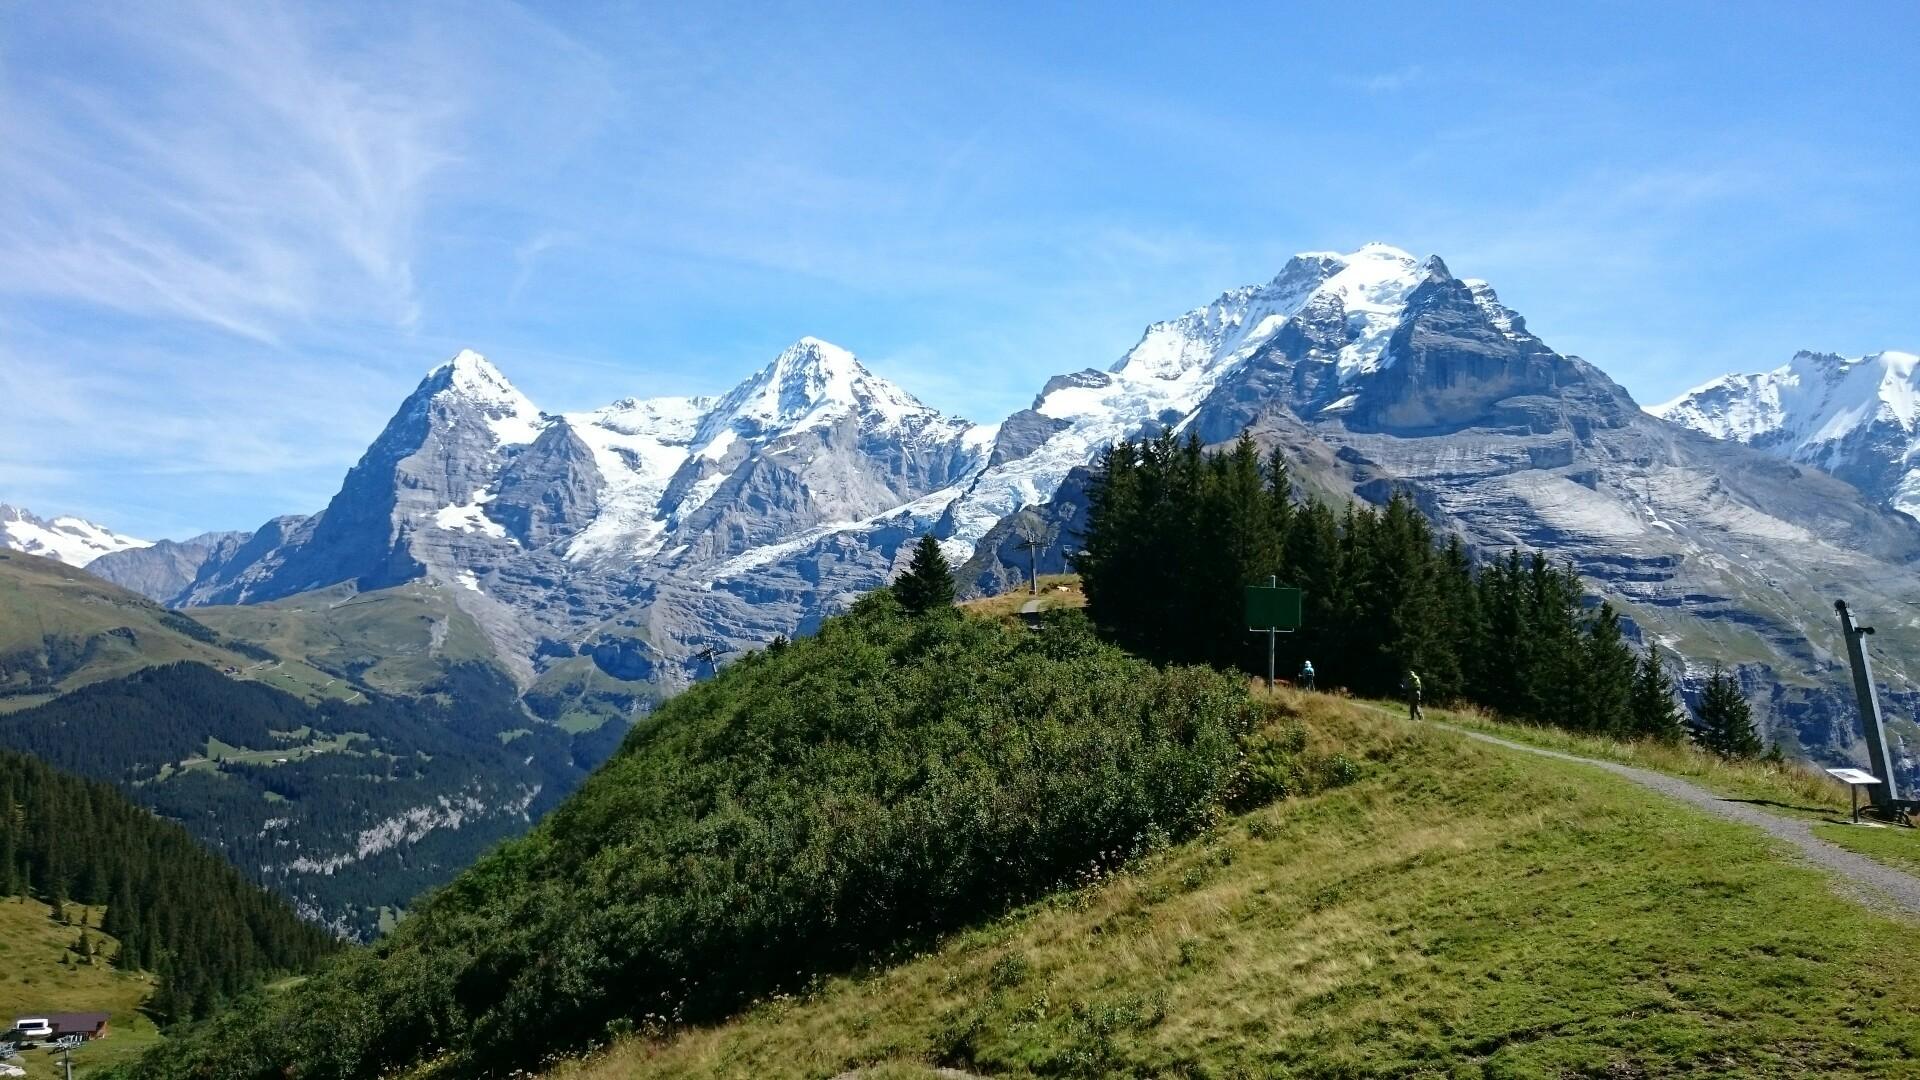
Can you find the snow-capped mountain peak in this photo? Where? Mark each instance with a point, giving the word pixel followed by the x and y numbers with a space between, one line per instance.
pixel 1353 301
pixel 809 382
pixel 1369 288
pixel 1855 417
pixel 1812 399
pixel 71 540
pixel 1372 286
pixel 807 376
pixel 470 379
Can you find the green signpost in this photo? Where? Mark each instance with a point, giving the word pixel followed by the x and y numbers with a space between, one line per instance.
pixel 1273 611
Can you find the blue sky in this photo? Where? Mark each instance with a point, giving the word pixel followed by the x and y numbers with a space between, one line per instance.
pixel 232 237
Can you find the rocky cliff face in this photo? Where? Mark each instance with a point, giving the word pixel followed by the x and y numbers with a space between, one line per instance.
pixel 632 538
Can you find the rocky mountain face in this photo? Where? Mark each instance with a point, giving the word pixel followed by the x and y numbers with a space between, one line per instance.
pixel 605 551
pixel 1377 372
pixel 165 568
pixel 615 546
pixel 74 541
pixel 1853 417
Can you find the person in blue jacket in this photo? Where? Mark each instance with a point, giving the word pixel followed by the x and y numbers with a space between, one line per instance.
pixel 1306 675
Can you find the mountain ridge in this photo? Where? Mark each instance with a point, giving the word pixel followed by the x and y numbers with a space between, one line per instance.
pixel 1855 417
pixel 632 539
pixel 643 502
pixel 72 540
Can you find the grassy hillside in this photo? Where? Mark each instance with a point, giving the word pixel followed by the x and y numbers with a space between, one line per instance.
pixel 818 863
pixel 61 628
pixel 1056 591
pixel 1788 788
pixel 1458 911
pixel 812 807
pixel 397 639
pixel 578 696
pixel 35 981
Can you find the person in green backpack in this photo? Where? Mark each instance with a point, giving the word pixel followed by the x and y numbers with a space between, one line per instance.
pixel 1411 684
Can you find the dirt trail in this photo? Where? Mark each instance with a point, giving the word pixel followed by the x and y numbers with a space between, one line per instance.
pixel 1874 884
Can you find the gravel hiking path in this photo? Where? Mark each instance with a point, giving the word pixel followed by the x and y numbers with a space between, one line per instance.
pixel 1873 884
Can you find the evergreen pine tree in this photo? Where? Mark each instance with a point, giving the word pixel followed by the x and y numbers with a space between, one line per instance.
pixel 128 957
pixel 927 584
pixel 1726 720
pixel 1604 701
pixel 1655 716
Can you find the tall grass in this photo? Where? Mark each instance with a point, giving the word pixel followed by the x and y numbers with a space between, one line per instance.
pixel 1786 785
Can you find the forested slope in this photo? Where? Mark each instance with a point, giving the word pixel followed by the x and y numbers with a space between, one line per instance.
pixel 350 810
pixel 176 908
pixel 813 808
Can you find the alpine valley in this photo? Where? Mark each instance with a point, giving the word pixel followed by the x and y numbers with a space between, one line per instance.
pixel 597 561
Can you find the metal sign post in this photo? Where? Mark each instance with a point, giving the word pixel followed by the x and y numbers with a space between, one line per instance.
pixel 1886 789
pixel 1273 611
pixel 1033 566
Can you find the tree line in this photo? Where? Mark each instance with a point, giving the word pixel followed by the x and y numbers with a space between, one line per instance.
pixel 177 909
pixel 1174 534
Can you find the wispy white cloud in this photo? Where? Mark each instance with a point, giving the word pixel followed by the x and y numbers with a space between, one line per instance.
pixel 213 227
pixel 229 174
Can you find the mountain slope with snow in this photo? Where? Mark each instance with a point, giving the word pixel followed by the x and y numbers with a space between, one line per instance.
pixel 74 541
pixel 1351 300
pixel 622 542
pixel 606 554
pixel 1715 551
pixel 1853 417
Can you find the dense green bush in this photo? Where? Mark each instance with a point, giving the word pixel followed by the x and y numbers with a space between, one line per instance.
pixel 812 806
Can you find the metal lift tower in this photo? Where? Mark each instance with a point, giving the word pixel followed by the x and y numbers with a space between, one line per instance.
pixel 1886 793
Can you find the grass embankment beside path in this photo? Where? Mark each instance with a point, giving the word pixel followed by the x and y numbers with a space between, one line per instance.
pixel 1056 591
pixel 34 982
pixel 1457 910
pixel 1788 789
